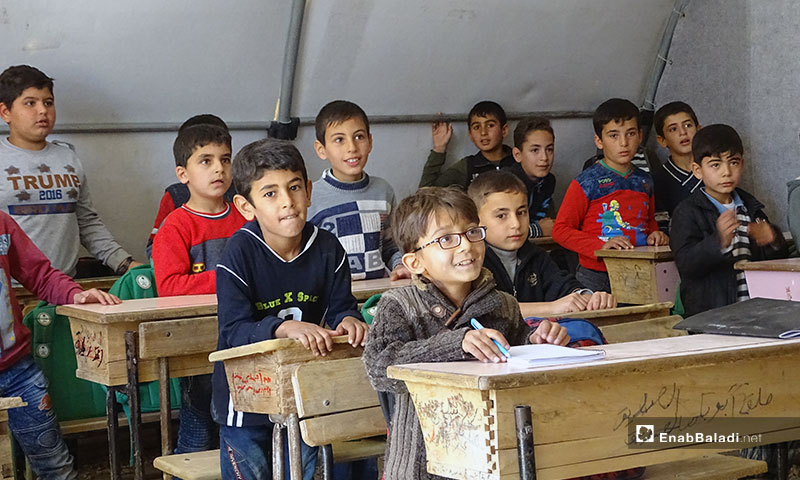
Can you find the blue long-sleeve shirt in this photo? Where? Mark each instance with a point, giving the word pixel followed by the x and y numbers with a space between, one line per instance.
pixel 257 290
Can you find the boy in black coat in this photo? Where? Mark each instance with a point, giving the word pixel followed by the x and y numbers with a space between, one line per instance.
pixel 719 225
pixel 519 267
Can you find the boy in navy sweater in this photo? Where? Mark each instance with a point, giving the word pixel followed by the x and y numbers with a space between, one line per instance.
pixel 280 277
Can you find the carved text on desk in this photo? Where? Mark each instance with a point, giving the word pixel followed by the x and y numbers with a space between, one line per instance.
pixel 89 345
pixel 737 400
pixel 252 383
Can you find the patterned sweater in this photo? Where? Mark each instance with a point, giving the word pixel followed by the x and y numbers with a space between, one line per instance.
pixel 409 327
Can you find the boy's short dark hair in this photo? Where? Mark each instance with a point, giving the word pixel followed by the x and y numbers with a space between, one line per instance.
pixel 671 109
pixel 204 119
pixel 528 125
pixel 195 137
pixel 714 140
pixel 486 108
pixel 336 112
pixel 412 217
pixel 14 80
pixel 264 155
pixel 495 181
pixel 614 110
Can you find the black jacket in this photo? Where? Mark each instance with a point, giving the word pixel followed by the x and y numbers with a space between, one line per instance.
pixel 708 279
pixel 537 279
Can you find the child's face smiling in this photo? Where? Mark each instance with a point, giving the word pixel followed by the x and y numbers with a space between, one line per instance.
pixel 279 200
pixel 720 174
pixel 536 155
pixel 679 130
pixel 30 118
pixel 347 147
pixel 452 270
pixel 619 142
pixel 506 218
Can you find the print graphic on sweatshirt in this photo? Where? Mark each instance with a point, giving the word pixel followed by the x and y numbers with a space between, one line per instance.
pixel 59 190
pixel 612 224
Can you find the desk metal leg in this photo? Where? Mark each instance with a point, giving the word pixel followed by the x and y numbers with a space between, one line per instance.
pixel 524 424
pixel 277 451
pixel 295 460
pixel 327 461
pixel 113 426
pixel 164 409
pixel 132 358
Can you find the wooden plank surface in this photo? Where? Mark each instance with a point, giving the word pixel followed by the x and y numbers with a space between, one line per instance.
pixel 363 289
pixel 173 338
pixel 713 467
pixel 264 347
pixel 643 330
pixel 612 316
pixel 352 425
pixel 322 388
pixel 783 265
pixel 102 283
pixel 144 309
pixel 546 243
pixel 7 403
pixel 649 355
pixel 358 449
pixel 660 253
pixel 191 466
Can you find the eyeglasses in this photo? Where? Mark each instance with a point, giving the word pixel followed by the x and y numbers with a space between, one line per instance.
pixel 452 240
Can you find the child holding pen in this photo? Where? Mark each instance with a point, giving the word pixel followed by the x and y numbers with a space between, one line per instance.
pixel 428 321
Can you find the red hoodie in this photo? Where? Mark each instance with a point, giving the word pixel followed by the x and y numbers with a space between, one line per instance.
pixel 22 260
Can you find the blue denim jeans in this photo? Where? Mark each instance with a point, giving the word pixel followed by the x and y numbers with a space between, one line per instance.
pixel 196 428
pixel 35 426
pixel 245 453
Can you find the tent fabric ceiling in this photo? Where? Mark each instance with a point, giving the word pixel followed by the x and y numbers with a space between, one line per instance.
pixel 154 61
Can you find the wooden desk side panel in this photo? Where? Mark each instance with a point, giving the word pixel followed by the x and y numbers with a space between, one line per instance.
pixel 456 424
pixel 579 426
pixel 633 280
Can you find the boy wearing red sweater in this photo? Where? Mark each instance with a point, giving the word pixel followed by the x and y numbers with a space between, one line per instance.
pixel 34 426
pixel 186 250
pixel 611 203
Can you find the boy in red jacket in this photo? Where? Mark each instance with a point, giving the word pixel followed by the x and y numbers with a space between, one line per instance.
pixel 34 426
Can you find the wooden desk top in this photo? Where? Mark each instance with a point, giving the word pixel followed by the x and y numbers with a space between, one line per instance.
pixel 264 346
pixel 619 311
pixel 363 289
pixel 783 265
pixel 650 253
pixel 144 309
pixel 102 283
pixel 642 357
pixel 544 242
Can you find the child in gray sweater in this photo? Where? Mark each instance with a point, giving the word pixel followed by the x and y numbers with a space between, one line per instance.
pixel 428 321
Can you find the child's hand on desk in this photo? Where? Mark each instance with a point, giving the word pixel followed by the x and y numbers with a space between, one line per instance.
pixel 550 332
pixel 574 302
pixel 479 344
pixel 618 243
pixel 546 224
pixel 96 296
pixel 355 329
pixel 399 272
pixel 313 337
pixel 726 225
pixel 761 232
pixel 600 301
pixel 657 238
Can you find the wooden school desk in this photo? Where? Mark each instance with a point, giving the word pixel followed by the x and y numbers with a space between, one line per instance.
pixel 642 274
pixel 6 459
pixel 582 412
pixel 108 352
pixel 28 300
pixel 547 243
pixel 363 289
pixel 777 279
pixel 635 322
pixel 260 381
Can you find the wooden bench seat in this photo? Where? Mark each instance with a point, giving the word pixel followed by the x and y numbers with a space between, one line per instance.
pixel 712 467
pixel 191 466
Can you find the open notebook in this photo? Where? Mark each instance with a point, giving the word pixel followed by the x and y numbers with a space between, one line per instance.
pixel 546 355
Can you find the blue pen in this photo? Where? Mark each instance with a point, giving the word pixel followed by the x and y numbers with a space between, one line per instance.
pixel 477 326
